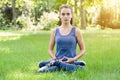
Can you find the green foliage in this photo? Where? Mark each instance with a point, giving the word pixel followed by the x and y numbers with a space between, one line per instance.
pixel 7 13
pixel 3 25
pixel 35 9
pixel 21 21
pixel 49 20
pixel 1 19
pixel 58 3
pixel 41 6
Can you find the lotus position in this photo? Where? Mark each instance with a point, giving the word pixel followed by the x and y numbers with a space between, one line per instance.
pixel 66 37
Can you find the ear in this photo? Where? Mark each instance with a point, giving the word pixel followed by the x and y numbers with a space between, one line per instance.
pixel 59 16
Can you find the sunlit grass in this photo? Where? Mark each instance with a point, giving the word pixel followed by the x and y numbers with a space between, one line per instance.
pixel 4 50
pixel 19 57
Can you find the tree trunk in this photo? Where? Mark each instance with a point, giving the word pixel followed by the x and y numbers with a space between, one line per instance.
pixel 76 12
pixel 75 6
pixel 83 15
pixel 14 12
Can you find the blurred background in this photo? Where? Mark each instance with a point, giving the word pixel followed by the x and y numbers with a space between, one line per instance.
pixel 43 14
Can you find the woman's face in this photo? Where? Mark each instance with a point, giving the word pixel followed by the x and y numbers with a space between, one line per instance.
pixel 65 15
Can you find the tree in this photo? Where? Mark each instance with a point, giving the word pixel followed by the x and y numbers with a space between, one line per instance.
pixel 14 12
pixel 10 11
pixel 92 9
pixel 58 3
pixel 80 13
pixel 83 15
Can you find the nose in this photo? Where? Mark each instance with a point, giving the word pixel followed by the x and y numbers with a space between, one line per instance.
pixel 65 16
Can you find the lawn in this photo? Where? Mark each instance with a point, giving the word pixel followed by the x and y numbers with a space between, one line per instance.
pixel 20 53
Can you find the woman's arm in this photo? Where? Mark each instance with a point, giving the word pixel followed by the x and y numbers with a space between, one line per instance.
pixel 81 46
pixel 51 44
pixel 80 43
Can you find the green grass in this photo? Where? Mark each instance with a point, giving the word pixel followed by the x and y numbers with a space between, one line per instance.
pixel 20 53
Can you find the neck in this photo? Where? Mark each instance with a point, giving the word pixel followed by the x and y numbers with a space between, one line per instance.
pixel 66 25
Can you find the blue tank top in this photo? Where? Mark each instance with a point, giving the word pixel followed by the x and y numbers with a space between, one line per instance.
pixel 65 44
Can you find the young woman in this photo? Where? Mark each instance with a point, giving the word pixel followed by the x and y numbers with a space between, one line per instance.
pixel 66 37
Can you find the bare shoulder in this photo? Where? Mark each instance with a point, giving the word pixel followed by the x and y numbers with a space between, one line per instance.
pixel 78 31
pixel 53 31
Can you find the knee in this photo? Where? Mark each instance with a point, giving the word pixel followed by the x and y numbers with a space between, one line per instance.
pixel 43 63
pixel 40 64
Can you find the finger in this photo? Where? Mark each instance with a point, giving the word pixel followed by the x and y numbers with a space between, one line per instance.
pixel 65 57
pixel 62 58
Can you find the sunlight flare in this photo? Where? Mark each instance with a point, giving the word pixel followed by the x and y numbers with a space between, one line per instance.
pixel 4 36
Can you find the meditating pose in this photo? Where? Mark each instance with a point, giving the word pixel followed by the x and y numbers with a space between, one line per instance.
pixel 66 37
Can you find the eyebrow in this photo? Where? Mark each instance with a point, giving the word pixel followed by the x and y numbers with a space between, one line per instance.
pixel 65 13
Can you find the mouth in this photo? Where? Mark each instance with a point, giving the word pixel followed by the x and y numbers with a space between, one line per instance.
pixel 65 20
